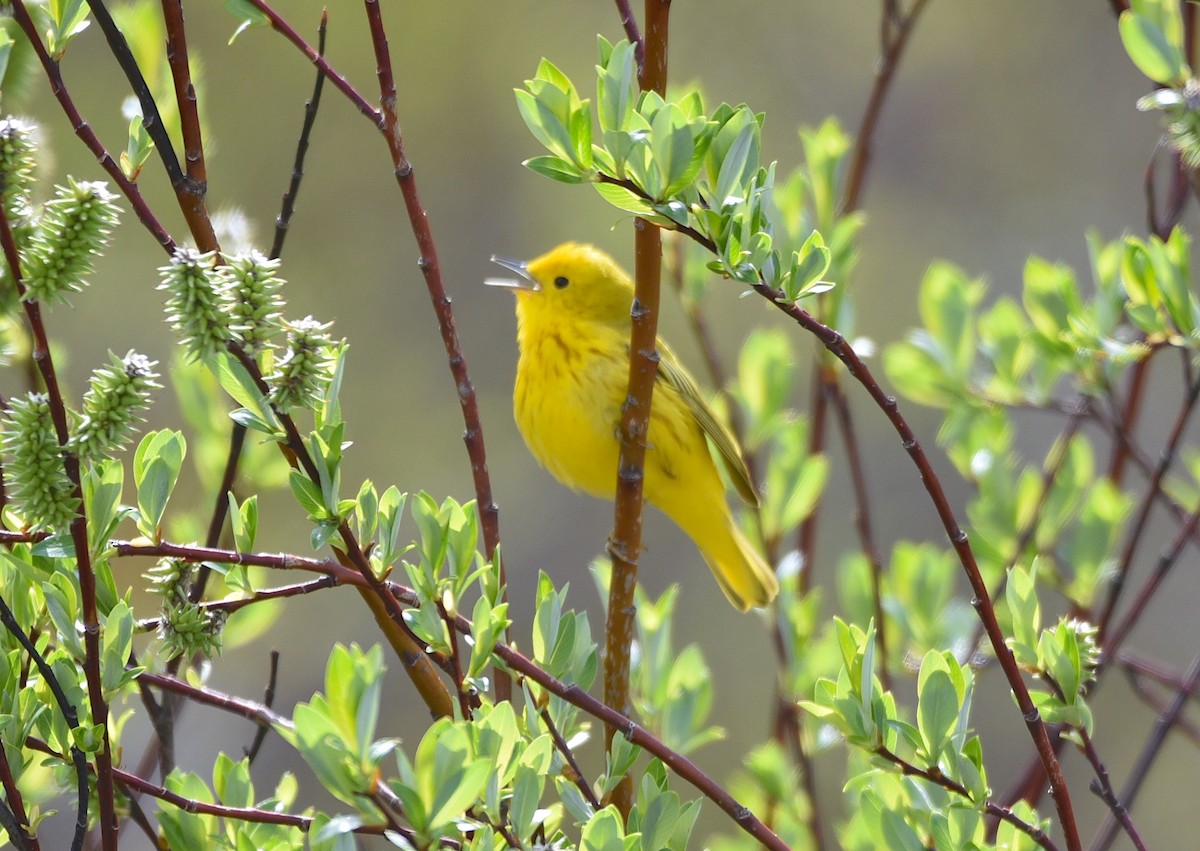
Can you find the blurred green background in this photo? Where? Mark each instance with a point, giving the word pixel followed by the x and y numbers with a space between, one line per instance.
pixel 1011 130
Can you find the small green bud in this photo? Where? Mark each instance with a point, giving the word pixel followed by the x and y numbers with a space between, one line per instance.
pixel 118 393
pixel 38 487
pixel 18 149
pixel 194 307
pixel 73 229
pixel 306 368
pixel 253 289
pixel 186 628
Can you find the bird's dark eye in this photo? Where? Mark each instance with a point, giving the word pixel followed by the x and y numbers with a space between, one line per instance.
pixel 561 282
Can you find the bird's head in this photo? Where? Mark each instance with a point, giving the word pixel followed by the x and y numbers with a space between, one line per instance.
pixel 572 281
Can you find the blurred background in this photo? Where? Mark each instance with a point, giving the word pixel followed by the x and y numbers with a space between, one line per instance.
pixel 1010 131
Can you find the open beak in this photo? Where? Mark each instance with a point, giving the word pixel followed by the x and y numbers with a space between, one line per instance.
pixel 518 267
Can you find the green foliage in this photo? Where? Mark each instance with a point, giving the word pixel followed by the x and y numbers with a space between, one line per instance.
pixel 184 626
pixel 673 164
pixel 254 291
pixel 156 466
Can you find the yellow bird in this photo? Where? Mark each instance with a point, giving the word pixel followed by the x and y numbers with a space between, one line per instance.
pixel 573 327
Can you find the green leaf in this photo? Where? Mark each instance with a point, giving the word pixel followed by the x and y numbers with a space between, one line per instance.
pixel 308 494
pixel 116 643
pixel 616 85
pixel 243 521
pixel 739 163
pixel 156 465
pixel 605 832
pixel 1151 51
pixel 624 199
pixel 556 168
pixel 248 14
pixel 937 711
pixel 1021 594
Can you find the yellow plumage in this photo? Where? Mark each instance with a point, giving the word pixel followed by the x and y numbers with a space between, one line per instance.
pixel 573 332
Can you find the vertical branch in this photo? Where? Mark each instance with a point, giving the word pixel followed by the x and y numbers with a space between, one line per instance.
pixel 896 28
pixel 430 268
pixel 188 193
pixel 626 542
pixel 79 537
pixel 185 98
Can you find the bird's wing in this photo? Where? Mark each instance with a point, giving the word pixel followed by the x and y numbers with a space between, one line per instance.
pixel 677 377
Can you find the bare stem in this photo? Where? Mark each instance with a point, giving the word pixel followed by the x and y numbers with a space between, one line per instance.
pixel 489 512
pixel 626 542
pixel 1150 752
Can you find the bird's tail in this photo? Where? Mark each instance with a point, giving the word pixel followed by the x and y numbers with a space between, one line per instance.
pixel 741 571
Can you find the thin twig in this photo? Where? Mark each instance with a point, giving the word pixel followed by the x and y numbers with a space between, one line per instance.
pixel 897 28
pixel 1102 788
pixel 1140 523
pixel 20 833
pixel 260 735
pixel 818 415
pixel 862 520
pixel 431 270
pixel 1149 753
pixel 288 206
pixel 185 97
pixel 629 22
pixel 14 830
pixel 191 805
pixel 565 749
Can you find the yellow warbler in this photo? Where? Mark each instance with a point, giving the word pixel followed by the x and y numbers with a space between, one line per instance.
pixel 573 332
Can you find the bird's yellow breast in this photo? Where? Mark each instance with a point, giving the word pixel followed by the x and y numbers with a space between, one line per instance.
pixel 572 378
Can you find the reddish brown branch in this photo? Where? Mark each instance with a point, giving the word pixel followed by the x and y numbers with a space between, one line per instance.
pixel 1139 524
pixel 79 537
pixel 1150 751
pixel 189 194
pixel 626 542
pixel 489 512
pixel 185 96
pixel 897 28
